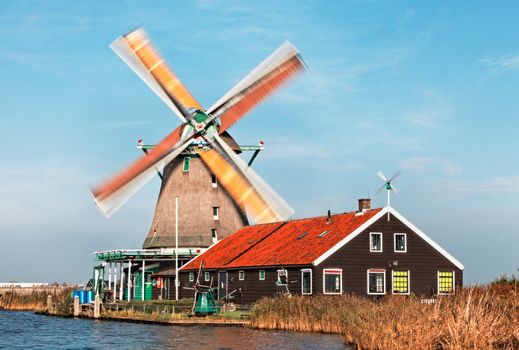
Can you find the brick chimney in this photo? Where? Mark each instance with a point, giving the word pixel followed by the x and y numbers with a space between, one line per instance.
pixel 364 204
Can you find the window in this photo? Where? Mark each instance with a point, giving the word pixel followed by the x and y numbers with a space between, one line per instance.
pixel 191 277
pixel 332 281
pixel 261 275
pixel 400 243
pixel 187 164
pixel 400 282
pixel 306 281
pixel 214 235
pixel 241 275
pixel 375 242
pixel 282 277
pixel 215 213
pixel 207 276
pixel 302 235
pixel 376 281
pixel 214 182
pixel 445 282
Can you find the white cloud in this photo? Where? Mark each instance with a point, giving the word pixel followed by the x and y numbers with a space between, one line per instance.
pixel 426 164
pixel 498 185
pixel 502 63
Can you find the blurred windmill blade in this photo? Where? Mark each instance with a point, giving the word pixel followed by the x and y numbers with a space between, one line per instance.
pixel 112 194
pixel 394 176
pixel 136 49
pixel 282 65
pixel 381 188
pixel 382 176
pixel 247 188
pixel 124 51
pixel 394 189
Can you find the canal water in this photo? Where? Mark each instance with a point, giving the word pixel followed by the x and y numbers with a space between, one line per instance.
pixel 23 330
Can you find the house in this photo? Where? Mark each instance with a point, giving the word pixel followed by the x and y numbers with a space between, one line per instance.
pixel 367 252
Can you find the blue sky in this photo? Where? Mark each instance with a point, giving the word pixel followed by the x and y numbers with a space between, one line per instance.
pixel 429 89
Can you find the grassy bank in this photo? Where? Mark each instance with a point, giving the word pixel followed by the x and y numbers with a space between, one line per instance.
pixel 483 317
pixel 35 300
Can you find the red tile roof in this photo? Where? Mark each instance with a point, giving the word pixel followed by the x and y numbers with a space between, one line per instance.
pixel 295 242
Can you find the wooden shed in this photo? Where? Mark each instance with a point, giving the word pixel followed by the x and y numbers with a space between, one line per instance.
pixel 366 252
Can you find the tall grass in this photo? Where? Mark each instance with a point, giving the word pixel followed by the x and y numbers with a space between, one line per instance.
pixel 475 318
pixel 35 300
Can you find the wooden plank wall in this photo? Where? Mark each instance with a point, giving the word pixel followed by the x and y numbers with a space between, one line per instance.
pixel 355 258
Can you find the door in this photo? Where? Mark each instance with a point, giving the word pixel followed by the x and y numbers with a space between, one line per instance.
pixel 222 284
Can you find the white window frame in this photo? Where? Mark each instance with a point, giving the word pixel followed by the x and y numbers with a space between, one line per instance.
pixel 408 282
pixel 214 235
pixel 259 275
pixel 214 184
pixel 370 271
pixel 280 273
pixel 381 242
pixel 453 282
pixel 241 275
pixel 332 272
pixel 191 277
pixel 216 213
pixel 405 242
pixel 311 286
pixel 207 276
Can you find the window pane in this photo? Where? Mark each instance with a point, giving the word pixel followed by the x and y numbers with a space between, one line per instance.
pixel 306 282
pixel 400 243
pixel 332 283
pixel 446 282
pixel 241 275
pixel 376 282
pixel 262 275
pixel 376 241
pixel 400 282
pixel 187 163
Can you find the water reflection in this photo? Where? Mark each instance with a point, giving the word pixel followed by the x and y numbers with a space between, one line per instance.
pixel 27 330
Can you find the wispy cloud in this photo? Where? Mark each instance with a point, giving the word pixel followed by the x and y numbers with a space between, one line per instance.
pixel 499 64
pixel 499 185
pixel 426 164
pixel 434 109
pixel 120 124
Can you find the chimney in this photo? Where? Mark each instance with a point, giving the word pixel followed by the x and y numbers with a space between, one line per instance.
pixel 329 217
pixel 364 204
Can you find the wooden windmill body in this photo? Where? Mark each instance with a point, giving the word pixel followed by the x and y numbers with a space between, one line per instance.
pixel 206 211
pixel 218 192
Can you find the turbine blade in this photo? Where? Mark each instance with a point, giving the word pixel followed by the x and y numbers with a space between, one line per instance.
pixel 381 188
pixel 396 190
pixel 394 176
pixel 112 194
pixel 259 84
pixel 381 175
pixel 146 53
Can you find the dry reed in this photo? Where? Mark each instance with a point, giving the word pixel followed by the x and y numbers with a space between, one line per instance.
pixel 475 318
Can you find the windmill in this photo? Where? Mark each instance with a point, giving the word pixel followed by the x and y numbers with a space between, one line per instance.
pixel 204 299
pixel 202 144
pixel 388 186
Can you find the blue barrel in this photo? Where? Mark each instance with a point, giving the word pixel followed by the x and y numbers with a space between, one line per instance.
pixel 90 296
pixel 82 296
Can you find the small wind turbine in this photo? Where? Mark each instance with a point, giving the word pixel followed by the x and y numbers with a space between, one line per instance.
pixel 388 186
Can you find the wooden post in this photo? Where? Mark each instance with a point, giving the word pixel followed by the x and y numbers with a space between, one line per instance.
pixel 76 306
pixel 49 304
pixel 97 307
pixel 176 248
pixel 114 290
pixel 110 276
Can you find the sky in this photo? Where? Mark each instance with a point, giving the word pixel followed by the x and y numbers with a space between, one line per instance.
pixel 425 88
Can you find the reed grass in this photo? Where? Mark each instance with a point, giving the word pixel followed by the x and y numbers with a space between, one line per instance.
pixel 35 300
pixel 481 317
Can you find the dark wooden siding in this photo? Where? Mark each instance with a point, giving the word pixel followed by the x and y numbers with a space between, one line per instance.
pixel 421 260
pixel 251 288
